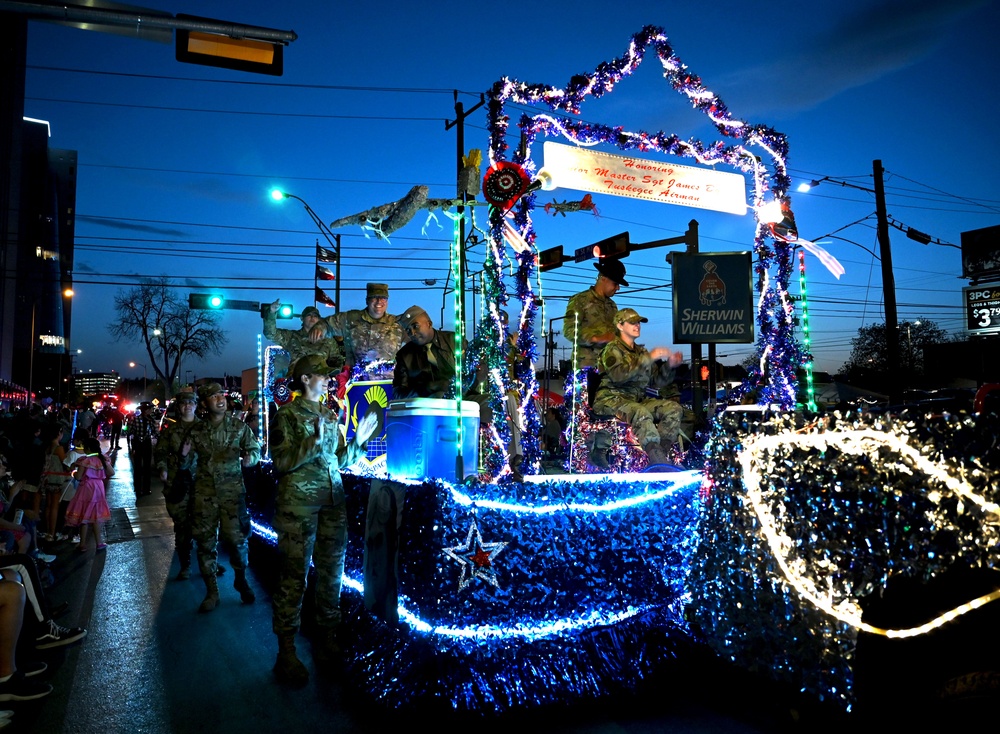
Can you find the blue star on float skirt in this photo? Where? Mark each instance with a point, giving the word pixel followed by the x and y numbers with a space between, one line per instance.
pixel 475 558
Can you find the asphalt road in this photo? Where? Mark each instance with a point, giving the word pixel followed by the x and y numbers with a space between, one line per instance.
pixel 152 664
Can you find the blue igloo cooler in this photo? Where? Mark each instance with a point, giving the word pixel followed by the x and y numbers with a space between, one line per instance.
pixel 422 438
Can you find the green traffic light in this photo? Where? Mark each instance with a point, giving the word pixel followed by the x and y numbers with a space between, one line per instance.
pixel 216 301
pixel 286 311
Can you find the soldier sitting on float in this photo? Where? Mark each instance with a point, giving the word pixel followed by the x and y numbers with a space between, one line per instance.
pixel 297 342
pixel 627 369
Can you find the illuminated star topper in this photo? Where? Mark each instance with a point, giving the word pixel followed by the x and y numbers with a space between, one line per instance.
pixel 475 558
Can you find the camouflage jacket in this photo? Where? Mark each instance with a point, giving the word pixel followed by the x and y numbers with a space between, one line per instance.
pixel 310 469
pixel 627 372
pixel 416 376
pixel 215 451
pixel 366 338
pixel 296 342
pixel 597 316
pixel 167 452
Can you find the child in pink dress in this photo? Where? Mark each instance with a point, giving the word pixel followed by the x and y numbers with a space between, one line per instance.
pixel 89 505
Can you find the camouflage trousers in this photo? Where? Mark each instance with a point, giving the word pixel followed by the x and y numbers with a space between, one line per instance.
pixel 209 516
pixel 180 513
pixel 653 420
pixel 317 533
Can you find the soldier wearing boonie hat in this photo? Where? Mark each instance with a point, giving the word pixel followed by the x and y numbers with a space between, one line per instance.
pixel 296 341
pixel 371 334
pixel 627 369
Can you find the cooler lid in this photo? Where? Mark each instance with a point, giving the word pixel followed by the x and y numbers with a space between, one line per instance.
pixel 431 406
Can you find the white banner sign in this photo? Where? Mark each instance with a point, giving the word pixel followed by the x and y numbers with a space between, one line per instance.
pixel 603 173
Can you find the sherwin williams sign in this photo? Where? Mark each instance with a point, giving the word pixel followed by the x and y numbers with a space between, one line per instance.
pixel 713 298
pixel 638 178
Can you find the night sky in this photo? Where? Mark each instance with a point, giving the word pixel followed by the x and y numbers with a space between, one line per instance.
pixel 176 160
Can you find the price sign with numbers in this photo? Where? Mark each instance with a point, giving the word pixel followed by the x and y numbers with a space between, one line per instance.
pixel 982 309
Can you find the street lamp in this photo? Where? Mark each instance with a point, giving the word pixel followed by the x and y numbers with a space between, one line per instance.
pixel 140 364
pixel 331 238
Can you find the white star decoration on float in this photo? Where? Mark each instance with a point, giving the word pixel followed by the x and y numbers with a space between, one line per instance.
pixel 475 558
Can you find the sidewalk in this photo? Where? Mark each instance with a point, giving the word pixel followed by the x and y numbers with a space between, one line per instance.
pixel 150 663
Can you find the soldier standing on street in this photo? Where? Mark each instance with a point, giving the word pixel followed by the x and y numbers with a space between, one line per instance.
pixel 296 341
pixel 627 369
pixel 178 484
pixel 220 446
pixel 311 513
pixel 370 335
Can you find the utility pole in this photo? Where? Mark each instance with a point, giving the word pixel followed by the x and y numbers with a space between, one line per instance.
pixel 459 123
pixel 888 281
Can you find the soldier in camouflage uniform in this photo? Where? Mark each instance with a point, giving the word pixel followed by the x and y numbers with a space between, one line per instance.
pixel 595 311
pixel 220 446
pixel 369 335
pixel 311 513
pixel 627 369
pixel 178 483
pixel 297 342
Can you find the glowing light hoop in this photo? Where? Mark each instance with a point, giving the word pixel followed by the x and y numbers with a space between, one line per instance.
pixel 852 442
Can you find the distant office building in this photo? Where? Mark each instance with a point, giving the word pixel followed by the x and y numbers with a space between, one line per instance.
pixel 96 383
pixel 38 264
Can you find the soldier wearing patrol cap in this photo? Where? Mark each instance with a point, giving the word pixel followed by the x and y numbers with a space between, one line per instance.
pixel 296 341
pixel 370 335
pixel 425 367
pixel 311 514
pixel 220 446
pixel 627 369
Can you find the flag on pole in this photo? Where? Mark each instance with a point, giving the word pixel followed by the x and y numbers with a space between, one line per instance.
pixel 322 297
pixel 324 255
pixel 324 273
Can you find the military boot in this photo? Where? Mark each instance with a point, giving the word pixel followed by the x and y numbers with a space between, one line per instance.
pixel 240 584
pixel 326 649
pixel 599 451
pixel 288 669
pixel 656 453
pixel 211 600
pixel 185 559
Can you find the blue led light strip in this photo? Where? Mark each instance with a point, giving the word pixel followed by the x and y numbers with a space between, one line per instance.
pixel 566 625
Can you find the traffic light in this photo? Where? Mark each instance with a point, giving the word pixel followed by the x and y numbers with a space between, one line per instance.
pixel 612 247
pixel 206 301
pixel 551 258
pixel 285 311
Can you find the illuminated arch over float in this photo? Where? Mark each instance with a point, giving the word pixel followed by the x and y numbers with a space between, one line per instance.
pixel 755 149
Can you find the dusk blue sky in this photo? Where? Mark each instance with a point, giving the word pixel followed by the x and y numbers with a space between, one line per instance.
pixel 176 160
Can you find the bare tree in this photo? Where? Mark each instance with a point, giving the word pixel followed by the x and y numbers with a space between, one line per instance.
pixel 869 354
pixel 169 330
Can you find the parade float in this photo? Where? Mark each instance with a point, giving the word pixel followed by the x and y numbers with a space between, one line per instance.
pixel 764 546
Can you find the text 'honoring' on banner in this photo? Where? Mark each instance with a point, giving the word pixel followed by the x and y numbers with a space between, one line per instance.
pixel 603 173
